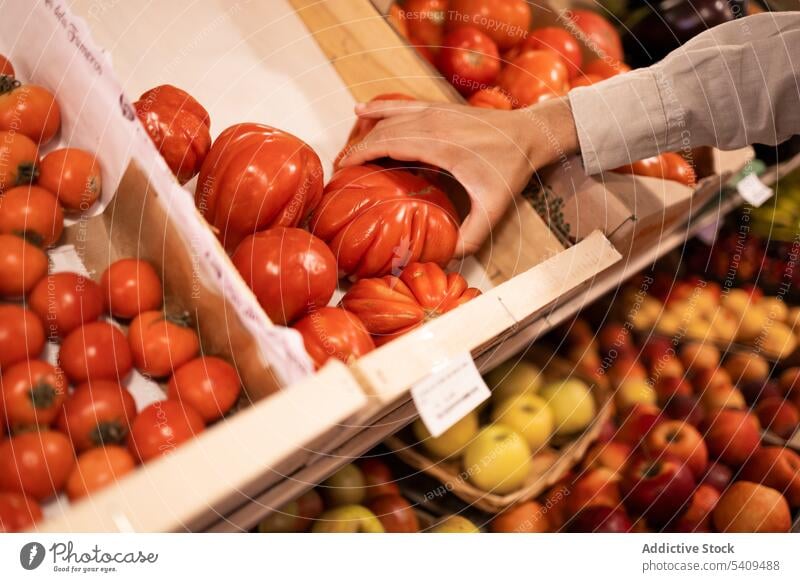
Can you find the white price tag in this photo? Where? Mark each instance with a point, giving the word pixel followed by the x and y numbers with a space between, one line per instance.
pixel 708 234
pixel 753 190
pixel 449 393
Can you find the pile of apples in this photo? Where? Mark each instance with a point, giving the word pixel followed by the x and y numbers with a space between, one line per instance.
pixel 495 445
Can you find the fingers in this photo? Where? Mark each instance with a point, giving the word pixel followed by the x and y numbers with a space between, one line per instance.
pixel 384 109
pixel 400 139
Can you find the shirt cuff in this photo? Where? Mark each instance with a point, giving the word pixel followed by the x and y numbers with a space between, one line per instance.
pixel 620 120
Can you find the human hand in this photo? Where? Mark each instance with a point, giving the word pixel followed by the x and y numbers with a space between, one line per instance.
pixel 491 153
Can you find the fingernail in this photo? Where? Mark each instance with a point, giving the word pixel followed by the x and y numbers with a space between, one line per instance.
pixel 360 107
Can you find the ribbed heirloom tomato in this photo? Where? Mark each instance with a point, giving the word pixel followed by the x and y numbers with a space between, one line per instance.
pixel 21 335
pixel 331 332
pixel 131 286
pixel 95 351
pixel 35 463
pixel 533 77
pixel 256 177
pixel 208 385
pixel 73 175
pixel 32 394
pixel 505 21
pixel 552 38
pixel 98 468
pixel 19 157
pixel 162 427
pixel 391 306
pixel 289 270
pixel 491 98
pixel 377 221
pixel 22 265
pixel 599 34
pixel 96 414
pixel 65 301
pixel 468 59
pixel 161 344
pixel 28 109
pixel 32 212
pixel 179 127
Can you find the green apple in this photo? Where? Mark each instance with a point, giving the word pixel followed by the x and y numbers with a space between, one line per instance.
pixel 455 524
pixel 572 404
pixel 498 459
pixel 634 391
pixel 452 441
pixel 348 519
pixel 345 487
pixel 284 520
pixel 529 415
pixel 512 378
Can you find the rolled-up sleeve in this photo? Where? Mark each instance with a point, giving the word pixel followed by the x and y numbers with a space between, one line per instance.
pixel 731 86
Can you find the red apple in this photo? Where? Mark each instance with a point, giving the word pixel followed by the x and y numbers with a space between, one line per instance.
pixel 671 366
pixel 718 476
pixel 706 377
pixel 595 487
pixel 698 517
pixel 607 431
pixel 659 489
pixel 754 392
pixel 696 356
pixel 656 349
pixel 626 368
pixel 378 479
pixel 732 436
pixel 395 514
pixel 527 517
pixel 615 337
pixel 719 396
pixel 600 519
pixel 555 502
pixel 680 440
pixel 779 416
pixel 637 422
pixel 789 380
pixel 309 507
pixel 685 408
pixel 747 507
pixel 609 455
pixel 775 467
pixel 668 386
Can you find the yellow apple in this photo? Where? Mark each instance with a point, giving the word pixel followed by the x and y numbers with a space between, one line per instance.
pixel 751 323
pixel 513 377
pixel 455 524
pixel 498 460
pixel 646 316
pixel 529 415
pixel 793 319
pixel 775 308
pixel 348 519
pixel 572 404
pixel 779 340
pixel 634 391
pixel 668 324
pixel 737 300
pixel 452 441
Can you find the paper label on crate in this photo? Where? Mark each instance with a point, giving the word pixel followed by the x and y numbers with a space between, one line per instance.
pixel 753 190
pixel 449 393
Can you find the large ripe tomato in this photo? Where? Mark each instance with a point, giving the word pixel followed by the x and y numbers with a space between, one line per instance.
pixel 377 221
pixel 505 21
pixel 6 68
pixel 533 77
pixel 28 109
pixel 65 301
pixel 162 427
pixel 558 40
pixel 131 286
pixel 32 212
pixel 289 270
pixel 667 166
pixel 491 98
pixel 31 393
pixel 21 335
pixel 425 20
pixel 161 344
pixel 22 265
pixel 73 175
pixel 98 468
pixel 331 332
pixel 391 306
pixel 256 177
pixel 97 414
pixel 600 34
pixel 95 351
pixel 208 385
pixel 605 68
pixel 18 512
pixel 179 127
pixel 36 464
pixel 19 157
pixel 469 59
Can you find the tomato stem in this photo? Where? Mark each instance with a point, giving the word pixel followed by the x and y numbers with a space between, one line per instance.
pixel 108 433
pixel 27 173
pixel 8 84
pixel 42 395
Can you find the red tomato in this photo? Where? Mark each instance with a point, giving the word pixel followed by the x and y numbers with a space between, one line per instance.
pixel 32 212
pixel 605 68
pixel 668 166
pixel 35 463
pixel 179 127
pixel 533 77
pixel 21 335
pixel 585 81
pixel 491 98
pixel 505 21
pixel 22 265
pixel 17 512
pixel 95 351
pixel 73 175
pixel 208 385
pixel 65 301
pixel 256 177
pixel 391 306
pixel 32 393
pixel 598 33
pixel 19 157
pixel 6 68
pixel 468 59
pixel 161 344
pixel 161 427
pixel 28 109
pixel 557 40
pixel 425 20
pixel 131 286
pixel 426 53
pixel 331 332
pixel 377 220
pixel 98 468
pixel 96 414
pixel 289 270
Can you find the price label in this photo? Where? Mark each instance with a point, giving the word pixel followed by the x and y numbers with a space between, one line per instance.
pixel 753 190
pixel 449 393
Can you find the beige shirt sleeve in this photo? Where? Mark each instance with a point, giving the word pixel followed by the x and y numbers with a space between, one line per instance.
pixel 731 86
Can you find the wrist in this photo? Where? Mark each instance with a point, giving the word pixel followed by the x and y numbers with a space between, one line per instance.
pixel 549 130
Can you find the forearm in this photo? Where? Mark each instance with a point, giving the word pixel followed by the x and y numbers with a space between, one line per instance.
pixel 731 86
